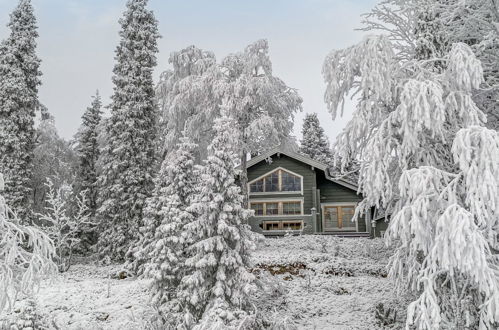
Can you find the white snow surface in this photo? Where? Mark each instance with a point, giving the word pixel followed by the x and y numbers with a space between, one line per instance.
pixel 312 282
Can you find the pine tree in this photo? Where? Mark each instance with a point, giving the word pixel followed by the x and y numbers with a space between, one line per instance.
pixel 88 153
pixel 164 246
pixel 128 157
pixel 314 142
pixel 219 280
pixel 19 69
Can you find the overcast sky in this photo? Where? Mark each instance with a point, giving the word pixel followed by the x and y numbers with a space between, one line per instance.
pixel 78 39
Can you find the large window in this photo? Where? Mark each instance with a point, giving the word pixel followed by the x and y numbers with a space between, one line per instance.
pixel 277 181
pixel 291 208
pixel 272 208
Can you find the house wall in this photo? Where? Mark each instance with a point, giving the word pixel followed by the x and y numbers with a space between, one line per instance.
pixel 297 167
pixel 316 190
pixel 331 192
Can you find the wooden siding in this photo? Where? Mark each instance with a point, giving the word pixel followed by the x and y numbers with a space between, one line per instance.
pixel 331 192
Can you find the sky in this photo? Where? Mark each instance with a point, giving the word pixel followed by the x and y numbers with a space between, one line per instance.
pixel 78 39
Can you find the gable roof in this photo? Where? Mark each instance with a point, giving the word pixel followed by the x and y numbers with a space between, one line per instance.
pixel 304 159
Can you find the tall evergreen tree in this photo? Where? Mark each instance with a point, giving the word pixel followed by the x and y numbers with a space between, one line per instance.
pixel 88 153
pixel 219 280
pixel 314 142
pixel 128 157
pixel 20 79
pixel 164 246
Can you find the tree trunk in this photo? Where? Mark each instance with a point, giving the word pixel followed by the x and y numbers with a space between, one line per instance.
pixel 243 178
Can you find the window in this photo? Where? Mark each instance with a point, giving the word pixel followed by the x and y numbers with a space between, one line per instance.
pixel 271 225
pixel 283 225
pixel 272 182
pixel 292 225
pixel 291 208
pixel 339 217
pixel 290 182
pixel 273 208
pixel 256 186
pixel 277 181
pixel 258 208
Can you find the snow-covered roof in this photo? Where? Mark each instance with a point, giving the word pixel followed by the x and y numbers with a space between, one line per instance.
pixel 304 159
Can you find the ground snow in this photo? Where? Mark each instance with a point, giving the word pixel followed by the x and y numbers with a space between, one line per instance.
pixel 312 282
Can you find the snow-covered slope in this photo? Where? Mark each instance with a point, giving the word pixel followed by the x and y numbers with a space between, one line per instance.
pixel 312 282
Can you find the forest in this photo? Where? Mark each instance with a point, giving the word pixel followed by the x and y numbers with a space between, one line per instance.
pixel 141 220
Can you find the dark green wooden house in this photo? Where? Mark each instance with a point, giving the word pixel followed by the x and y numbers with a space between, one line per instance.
pixel 292 193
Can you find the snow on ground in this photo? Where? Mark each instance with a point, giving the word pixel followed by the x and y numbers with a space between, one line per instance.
pixel 312 282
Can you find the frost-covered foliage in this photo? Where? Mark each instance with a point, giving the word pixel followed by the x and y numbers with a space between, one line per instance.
pixel 54 159
pixel 88 153
pixel 261 104
pixel 60 224
pixel 164 247
pixel 19 69
pixel 189 99
pixel 425 157
pixel 426 30
pixel 128 156
pixel 216 290
pixel 25 256
pixel 315 143
pixel 28 318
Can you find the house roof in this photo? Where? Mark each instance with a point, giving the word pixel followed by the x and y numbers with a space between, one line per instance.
pixel 304 159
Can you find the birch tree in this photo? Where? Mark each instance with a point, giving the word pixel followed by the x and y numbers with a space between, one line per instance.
pixel 425 157
pixel 261 104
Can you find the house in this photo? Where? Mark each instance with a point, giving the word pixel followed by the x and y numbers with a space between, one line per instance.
pixel 291 192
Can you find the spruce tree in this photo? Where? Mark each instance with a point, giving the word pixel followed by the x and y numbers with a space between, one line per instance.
pixel 20 79
pixel 164 246
pixel 218 280
pixel 314 142
pixel 88 153
pixel 128 157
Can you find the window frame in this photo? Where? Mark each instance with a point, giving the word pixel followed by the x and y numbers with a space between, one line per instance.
pixel 280 202
pixel 280 192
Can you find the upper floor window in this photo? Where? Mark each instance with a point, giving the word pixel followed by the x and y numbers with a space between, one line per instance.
pixel 277 181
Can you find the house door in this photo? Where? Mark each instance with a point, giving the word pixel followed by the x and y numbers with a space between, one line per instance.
pixel 339 218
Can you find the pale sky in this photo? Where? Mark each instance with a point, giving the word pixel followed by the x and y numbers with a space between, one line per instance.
pixel 78 38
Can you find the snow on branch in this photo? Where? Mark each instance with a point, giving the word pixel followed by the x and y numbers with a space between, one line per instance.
pixel 25 256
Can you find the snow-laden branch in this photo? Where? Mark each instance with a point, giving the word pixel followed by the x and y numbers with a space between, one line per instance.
pixel 25 256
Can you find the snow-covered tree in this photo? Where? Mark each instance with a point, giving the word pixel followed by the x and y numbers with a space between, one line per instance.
pixel 217 288
pixel 427 29
pixel 425 157
pixel 88 153
pixel 25 255
pixel 189 100
pixel 19 69
pixel 314 142
pixel 261 104
pixel 62 225
pixel 128 156
pixel 163 249
pixel 54 159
